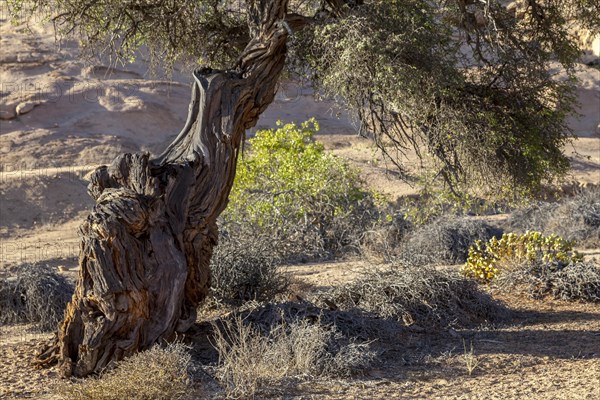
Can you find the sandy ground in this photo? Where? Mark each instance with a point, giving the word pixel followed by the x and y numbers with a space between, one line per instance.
pixel 549 351
pixel 80 116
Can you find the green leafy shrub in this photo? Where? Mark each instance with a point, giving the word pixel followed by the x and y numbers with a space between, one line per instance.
pixel 485 263
pixel 309 202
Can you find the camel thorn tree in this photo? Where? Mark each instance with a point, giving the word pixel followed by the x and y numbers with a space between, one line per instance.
pixel 463 82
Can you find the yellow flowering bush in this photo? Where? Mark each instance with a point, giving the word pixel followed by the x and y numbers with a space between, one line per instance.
pixel 486 261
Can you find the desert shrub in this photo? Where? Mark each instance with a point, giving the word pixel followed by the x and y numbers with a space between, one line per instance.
pixel 309 202
pixel 575 218
pixel 419 295
pixel 37 294
pixel 250 359
pixel 530 248
pixel 381 242
pixel 445 241
pixel 573 281
pixel 534 217
pixel 245 270
pixel 158 373
pixel 433 203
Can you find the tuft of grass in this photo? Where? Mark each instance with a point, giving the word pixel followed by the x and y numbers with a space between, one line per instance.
pixel 574 281
pixel 445 241
pixel 37 294
pixel 250 359
pixel 422 296
pixel 161 373
pixel 471 361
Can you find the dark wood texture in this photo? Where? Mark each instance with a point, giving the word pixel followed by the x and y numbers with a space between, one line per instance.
pixel 146 246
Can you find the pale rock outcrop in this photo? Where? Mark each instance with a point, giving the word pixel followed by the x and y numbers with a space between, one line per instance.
pixel 25 107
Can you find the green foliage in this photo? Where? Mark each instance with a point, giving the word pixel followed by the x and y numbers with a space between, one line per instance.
pixel 289 188
pixel 531 248
pixel 485 110
pixel 293 176
pixel 201 31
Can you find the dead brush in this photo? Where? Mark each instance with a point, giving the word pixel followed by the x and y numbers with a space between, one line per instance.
pixel 37 294
pixel 444 241
pixel 574 218
pixel 381 243
pixel 161 373
pixel 578 281
pixel 245 270
pixel 251 360
pixel 422 296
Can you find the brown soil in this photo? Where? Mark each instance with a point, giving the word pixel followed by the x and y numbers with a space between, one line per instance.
pixel 549 350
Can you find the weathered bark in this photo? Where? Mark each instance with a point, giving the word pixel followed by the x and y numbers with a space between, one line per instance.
pixel 146 247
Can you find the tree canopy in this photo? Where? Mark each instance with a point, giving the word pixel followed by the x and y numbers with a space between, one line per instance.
pixel 469 85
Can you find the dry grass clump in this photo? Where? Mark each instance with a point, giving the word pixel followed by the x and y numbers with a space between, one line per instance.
pixel 37 294
pixel 422 296
pixel 250 359
pixel 445 241
pixel 381 242
pixel 349 323
pixel 157 374
pixel 575 218
pixel 316 237
pixel 574 281
pixel 245 270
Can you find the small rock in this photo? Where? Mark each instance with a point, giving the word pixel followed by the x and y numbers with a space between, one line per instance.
pixel 24 108
pixel 512 7
pixel 7 114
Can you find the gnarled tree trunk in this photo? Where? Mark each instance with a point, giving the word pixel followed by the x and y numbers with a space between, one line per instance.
pixel 146 246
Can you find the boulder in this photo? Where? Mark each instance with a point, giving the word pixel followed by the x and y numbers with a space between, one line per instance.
pixel 7 114
pixel 24 108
